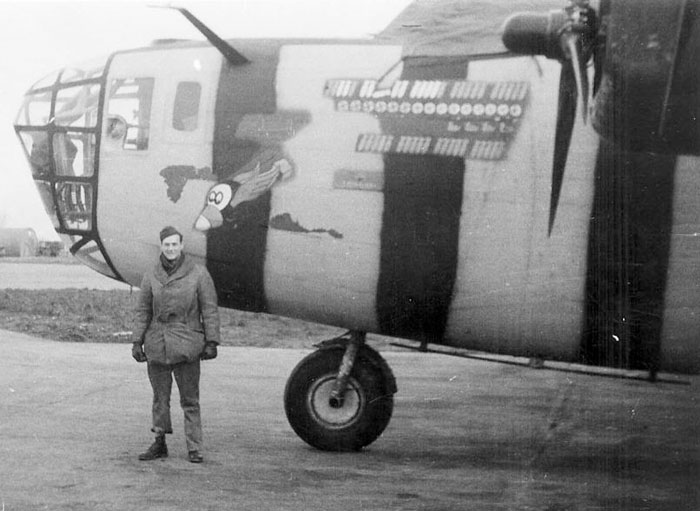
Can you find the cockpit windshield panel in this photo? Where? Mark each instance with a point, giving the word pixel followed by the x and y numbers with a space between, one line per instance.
pixel 46 81
pixel 75 203
pixel 36 147
pixel 74 153
pixel 77 106
pixel 45 190
pixel 35 110
pixel 90 69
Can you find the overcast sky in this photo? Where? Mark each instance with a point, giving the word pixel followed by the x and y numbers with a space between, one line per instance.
pixel 39 37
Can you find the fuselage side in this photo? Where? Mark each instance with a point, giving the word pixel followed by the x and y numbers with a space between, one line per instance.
pixel 403 196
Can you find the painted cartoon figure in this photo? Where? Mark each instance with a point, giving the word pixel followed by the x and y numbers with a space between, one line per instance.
pixel 224 198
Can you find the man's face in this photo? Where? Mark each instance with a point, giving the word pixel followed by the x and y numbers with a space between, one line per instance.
pixel 171 247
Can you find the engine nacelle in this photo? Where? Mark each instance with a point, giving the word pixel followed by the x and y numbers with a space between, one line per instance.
pixel 649 98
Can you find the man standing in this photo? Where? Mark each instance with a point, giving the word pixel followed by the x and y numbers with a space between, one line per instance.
pixel 177 324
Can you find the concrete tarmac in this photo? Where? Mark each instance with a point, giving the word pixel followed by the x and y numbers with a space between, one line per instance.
pixel 465 435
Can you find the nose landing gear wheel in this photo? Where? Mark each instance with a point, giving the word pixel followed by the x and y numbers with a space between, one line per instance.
pixel 362 416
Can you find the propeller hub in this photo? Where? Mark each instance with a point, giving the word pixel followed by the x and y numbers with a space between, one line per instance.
pixel 535 33
pixel 548 33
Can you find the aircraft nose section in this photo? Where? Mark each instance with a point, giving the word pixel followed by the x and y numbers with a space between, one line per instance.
pixel 209 218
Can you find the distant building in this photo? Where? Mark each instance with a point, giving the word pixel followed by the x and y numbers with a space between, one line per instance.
pixel 50 248
pixel 18 242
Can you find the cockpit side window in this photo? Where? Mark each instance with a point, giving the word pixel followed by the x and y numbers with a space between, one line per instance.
pixel 129 112
pixel 186 106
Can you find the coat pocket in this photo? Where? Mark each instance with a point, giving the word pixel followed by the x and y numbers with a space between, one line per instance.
pixel 182 344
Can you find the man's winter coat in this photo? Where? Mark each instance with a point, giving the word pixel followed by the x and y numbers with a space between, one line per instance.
pixel 176 314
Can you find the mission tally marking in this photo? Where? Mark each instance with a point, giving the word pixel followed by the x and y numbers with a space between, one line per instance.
pixel 464 118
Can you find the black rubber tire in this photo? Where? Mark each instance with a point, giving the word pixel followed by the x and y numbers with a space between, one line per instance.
pixel 359 422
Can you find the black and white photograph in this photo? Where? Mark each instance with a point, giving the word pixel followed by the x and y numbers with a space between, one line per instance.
pixel 350 255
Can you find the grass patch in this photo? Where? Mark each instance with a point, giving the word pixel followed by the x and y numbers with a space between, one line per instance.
pixel 91 315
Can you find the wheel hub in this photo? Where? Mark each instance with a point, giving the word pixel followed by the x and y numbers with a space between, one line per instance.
pixel 332 412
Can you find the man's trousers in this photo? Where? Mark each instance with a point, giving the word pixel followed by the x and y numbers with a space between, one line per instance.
pixel 187 379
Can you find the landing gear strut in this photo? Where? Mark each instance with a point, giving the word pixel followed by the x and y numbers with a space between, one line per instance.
pixel 340 397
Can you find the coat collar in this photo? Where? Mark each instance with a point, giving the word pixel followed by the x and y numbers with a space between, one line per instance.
pixel 163 277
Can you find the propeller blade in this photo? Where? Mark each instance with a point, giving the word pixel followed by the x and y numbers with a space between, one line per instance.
pixel 579 67
pixel 566 115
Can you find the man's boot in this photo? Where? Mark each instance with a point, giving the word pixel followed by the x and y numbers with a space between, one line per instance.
pixel 158 449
